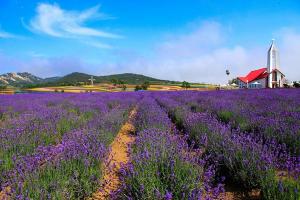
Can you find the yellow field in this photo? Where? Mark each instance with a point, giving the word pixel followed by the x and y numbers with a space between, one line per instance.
pixel 7 91
pixel 105 87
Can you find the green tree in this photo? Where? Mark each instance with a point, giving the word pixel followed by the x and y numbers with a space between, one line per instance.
pixel 296 84
pixel 121 82
pixel 235 81
pixel 185 85
pixel 124 87
pixel 137 88
pixel 145 85
pixel 114 81
pixel 3 87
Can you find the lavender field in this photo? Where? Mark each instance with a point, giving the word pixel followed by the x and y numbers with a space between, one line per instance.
pixel 242 144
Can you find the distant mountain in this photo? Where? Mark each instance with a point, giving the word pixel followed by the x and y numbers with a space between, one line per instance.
pixel 128 78
pixel 16 79
pixel 28 80
pixel 74 78
pixel 51 79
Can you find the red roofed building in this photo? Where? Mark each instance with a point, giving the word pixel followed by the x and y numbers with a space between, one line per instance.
pixel 268 77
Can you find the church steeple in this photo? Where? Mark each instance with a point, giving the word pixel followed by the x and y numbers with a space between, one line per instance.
pixel 273 56
pixel 267 77
pixel 273 61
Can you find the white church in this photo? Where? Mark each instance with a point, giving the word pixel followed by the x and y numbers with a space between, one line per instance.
pixel 269 77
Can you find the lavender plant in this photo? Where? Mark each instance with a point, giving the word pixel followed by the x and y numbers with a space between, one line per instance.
pixel 249 161
pixel 67 146
pixel 53 145
pixel 162 164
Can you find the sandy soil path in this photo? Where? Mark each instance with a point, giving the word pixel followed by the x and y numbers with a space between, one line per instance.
pixel 237 194
pixel 4 194
pixel 118 155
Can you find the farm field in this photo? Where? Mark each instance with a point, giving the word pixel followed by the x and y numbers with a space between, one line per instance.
pixel 235 144
pixel 106 87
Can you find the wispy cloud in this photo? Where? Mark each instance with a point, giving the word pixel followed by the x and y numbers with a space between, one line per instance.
pixel 97 44
pixel 6 35
pixel 52 20
pixel 34 54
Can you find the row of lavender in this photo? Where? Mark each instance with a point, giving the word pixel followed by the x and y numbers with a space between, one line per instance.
pixel 244 156
pixel 163 165
pixel 52 146
pixel 269 114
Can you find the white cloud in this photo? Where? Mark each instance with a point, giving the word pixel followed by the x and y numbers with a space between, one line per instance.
pixel 42 66
pixel 200 55
pixel 203 38
pixel 289 52
pixel 57 22
pixel 203 55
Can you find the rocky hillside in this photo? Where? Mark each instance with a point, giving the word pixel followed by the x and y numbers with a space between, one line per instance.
pixel 19 78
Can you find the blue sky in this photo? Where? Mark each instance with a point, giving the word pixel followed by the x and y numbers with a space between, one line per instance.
pixel 195 40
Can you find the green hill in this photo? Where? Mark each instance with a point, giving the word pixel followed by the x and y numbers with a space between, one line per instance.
pixel 27 80
pixel 74 78
pixel 128 78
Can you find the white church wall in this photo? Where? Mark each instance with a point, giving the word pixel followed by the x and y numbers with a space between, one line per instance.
pixel 279 79
pixel 241 84
pixel 260 83
pixel 251 85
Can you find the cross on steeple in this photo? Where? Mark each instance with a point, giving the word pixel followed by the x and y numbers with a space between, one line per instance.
pixel 92 80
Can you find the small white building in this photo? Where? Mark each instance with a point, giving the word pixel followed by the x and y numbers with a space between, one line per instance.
pixel 268 77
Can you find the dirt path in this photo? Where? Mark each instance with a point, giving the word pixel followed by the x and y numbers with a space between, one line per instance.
pixel 4 194
pixel 118 155
pixel 238 194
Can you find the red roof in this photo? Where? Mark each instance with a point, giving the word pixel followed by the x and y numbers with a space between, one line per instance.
pixel 255 75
